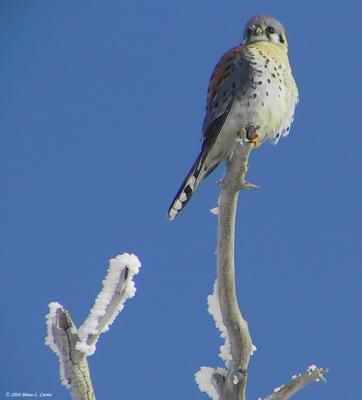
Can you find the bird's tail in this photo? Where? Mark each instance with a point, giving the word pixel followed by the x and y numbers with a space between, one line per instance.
pixel 197 173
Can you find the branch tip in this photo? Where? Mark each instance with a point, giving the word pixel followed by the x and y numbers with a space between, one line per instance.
pixel 73 345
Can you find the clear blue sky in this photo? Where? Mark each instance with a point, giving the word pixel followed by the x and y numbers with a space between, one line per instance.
pixel 101 111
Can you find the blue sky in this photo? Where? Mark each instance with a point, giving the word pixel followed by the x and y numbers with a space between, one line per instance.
pixel 102 105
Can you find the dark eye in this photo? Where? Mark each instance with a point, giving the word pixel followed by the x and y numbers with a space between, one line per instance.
pixel 270 29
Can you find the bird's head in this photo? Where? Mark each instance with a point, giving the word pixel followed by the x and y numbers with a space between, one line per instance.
pixel 264 28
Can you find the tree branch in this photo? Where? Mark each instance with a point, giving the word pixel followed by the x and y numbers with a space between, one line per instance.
pixel 62 338
pixel 230 384
pixel 73 345
pixel 313 374
pixel 236 325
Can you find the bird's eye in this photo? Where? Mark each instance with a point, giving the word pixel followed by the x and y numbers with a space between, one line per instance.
pixel 248 32
pixel 270 29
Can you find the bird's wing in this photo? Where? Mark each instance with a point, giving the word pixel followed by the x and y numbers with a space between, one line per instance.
pixel 233 72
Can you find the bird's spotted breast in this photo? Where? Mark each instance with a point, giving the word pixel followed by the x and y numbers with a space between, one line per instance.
pixel 269 100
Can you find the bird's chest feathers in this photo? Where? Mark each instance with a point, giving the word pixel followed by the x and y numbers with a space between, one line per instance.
pixel 268 100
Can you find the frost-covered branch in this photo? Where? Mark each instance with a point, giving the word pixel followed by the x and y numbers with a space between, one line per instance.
pixel 118 286
pixel 73 346
pixel 62 339
pixel 298 382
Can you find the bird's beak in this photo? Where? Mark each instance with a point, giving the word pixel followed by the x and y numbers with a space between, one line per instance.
pixel 258 29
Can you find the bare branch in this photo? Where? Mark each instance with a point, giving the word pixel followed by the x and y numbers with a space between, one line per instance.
pixel 230 384
pixel 313 374
pixel 223 304
pixel 237 328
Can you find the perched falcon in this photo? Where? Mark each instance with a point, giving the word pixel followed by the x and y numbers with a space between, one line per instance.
pixel 252 90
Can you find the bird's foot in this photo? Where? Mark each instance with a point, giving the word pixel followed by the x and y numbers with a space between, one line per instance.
pixel 256 142
pixel 252 135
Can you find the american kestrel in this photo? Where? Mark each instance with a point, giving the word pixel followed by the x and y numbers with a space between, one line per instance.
pixel 252 96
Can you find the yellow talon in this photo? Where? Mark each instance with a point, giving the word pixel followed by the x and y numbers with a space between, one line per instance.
pixel 252 135
pixel 255 141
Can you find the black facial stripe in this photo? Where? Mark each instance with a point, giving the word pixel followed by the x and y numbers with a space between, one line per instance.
pixel 281 39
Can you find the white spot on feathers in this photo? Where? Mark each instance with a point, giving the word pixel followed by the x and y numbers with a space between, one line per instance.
pixel 183 197
pixel 192 182
pixel 172 214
